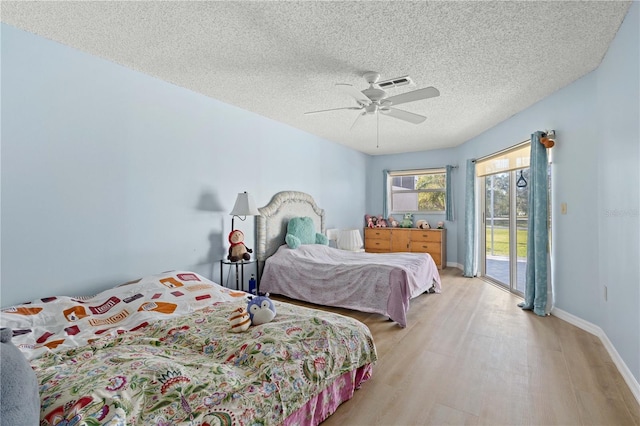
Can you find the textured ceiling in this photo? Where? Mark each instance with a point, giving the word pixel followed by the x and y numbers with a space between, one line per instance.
pixel 489 59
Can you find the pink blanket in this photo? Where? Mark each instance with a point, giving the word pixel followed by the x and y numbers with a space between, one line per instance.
pixel 367 282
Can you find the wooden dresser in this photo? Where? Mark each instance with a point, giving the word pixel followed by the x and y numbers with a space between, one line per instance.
pixel 388 240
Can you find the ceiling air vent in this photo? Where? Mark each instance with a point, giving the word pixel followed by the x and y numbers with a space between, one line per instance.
pixel 395 82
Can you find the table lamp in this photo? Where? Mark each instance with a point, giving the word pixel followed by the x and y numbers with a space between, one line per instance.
pixel 350 239
pixel 245 206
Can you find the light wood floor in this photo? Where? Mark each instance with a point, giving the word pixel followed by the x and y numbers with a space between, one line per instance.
pixel 470 356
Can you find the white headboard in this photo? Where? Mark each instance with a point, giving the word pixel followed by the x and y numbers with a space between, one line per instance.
pixel 274 217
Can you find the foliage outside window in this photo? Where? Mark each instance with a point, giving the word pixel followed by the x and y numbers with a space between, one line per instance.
pixel 417 191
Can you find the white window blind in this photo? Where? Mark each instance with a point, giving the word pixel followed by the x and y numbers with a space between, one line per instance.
pixel 510 159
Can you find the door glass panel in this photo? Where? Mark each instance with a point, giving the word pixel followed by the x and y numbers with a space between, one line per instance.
pixel 522 221
pixel 497 223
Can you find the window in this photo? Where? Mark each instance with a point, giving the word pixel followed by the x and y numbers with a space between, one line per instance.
pixel 417 191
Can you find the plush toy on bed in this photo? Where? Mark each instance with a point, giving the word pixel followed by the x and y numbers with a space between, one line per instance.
pixel 237 250
pixel 239 320
pixel 261 309
pixel 301 230
pixel 422 224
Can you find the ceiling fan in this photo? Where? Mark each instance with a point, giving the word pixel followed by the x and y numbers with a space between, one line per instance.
pixel 374 99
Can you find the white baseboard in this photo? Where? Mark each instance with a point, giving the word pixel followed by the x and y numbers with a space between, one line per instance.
pixel 631 381
pixel 454 265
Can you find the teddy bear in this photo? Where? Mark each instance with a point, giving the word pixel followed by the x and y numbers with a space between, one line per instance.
pixel 382 223
pixel 440 225
pixel 422 224
pixel 407 221
pixel 237 250
pixel 392 222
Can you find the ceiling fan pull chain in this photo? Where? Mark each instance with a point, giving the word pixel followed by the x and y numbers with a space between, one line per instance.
pixel 377 129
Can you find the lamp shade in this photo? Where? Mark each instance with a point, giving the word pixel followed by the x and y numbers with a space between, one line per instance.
pixel 245 206
pixel 350 239
pixel 332 234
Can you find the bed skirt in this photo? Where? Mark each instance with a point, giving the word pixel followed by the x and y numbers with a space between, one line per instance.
pixel 321 406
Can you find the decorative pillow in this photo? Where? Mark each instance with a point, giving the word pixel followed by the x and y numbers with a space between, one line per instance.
pixel 301 230
pixel 19 397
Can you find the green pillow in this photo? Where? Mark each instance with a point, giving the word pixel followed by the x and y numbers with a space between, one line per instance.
pixel 301 230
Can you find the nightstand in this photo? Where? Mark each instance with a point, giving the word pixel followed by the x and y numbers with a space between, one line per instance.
pixel 239 272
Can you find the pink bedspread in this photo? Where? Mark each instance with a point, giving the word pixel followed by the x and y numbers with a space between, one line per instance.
pixel 367 282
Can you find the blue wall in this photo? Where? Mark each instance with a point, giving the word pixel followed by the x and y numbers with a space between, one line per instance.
pixel 109 174
pixel 596 163
pixel 618 191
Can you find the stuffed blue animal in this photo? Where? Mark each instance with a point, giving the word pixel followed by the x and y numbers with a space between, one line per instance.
pixel 261 309
pixel 301 230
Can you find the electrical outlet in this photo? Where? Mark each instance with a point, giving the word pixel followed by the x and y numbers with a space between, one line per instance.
pixel 605 293
pixel 563 208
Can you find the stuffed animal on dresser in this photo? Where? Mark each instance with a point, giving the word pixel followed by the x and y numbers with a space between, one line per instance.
pixel 368 221
pixel 407 221
pixel 422 224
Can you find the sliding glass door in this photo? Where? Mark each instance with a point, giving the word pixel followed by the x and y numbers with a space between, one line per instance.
pixel 505 198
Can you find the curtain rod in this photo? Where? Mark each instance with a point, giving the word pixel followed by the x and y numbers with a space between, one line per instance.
pixel 511 148
pixel 551 134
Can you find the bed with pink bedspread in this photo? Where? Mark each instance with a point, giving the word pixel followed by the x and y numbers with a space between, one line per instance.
pixel 159 351
pixel 367 282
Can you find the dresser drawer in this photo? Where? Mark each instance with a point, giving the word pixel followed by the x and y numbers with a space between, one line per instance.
pixel 425 247
pixel 377 245
pixel 427 236
pixel 377 233
pixel 374 250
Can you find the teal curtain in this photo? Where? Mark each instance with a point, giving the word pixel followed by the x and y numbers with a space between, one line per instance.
pixel 448 200
pixel 537 294
pixel 469 269
pixel 385 193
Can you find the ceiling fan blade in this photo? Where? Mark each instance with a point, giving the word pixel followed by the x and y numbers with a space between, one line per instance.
pixel 404 115
pixel 331 109
pixel 416 95
pixel 355 93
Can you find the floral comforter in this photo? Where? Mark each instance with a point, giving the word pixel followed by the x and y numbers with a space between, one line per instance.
pixel 159 352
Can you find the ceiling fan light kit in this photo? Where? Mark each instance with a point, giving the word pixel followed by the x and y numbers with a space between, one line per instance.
pixel 375 100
